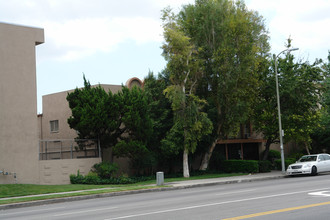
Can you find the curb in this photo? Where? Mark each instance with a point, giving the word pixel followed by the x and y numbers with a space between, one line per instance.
pixel 131 192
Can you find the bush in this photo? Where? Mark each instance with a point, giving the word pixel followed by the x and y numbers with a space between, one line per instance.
pixel 105 169
pixel 288 161
pixel 273 155
pixel 264 166
pixel 76 179
pixel 240 166
pixel 91 178
pixel 103 173
pixel 216 161
pixel 117 180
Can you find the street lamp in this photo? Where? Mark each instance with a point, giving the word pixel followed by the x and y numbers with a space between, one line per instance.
pixel 279 108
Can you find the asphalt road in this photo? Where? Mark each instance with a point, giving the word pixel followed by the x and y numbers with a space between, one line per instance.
pixel 306 197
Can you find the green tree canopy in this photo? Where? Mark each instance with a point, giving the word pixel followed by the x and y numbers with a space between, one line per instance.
pixel 321 135
pixel 118 120
pixel 300 92
pixel 95 114
pixel 233 44
pixel 185 70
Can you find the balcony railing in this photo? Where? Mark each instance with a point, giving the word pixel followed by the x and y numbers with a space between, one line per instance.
pixel 68 149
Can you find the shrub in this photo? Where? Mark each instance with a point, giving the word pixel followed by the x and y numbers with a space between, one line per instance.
pixel 264 166
pixel 92 179
pixel 243 166
pixel 105 169
pixel 273 155
pixel 76 179
pixel 216 161
pixel 288 161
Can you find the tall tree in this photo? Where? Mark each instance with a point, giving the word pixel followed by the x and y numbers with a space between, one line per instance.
pixel 185 71
pixel 321 135
pixel 300 92
pixel 161 115
pixel 233 42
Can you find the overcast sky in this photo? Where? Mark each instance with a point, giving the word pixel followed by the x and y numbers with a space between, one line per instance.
pixel 111 41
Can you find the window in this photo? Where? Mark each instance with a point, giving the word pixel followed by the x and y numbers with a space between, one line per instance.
pixel 321 157
pixel 54 126
pixel 327 157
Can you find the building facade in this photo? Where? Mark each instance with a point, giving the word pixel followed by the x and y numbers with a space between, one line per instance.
pixel 20 159
pixel 18 98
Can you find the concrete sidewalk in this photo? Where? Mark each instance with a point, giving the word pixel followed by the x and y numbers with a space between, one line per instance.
pixel 227 180
pixel 170 186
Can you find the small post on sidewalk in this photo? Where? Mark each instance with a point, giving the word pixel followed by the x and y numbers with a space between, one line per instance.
pixel 160 178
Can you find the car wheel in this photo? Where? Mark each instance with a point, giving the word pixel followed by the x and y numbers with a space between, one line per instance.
pixel 314 171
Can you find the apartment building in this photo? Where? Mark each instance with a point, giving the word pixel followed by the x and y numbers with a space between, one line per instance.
pixel 18 98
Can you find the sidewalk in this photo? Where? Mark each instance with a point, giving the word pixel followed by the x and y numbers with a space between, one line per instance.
pixel 171 186
pixel 227 180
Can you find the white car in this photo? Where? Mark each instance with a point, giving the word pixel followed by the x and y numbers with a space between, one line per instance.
pixel 310 164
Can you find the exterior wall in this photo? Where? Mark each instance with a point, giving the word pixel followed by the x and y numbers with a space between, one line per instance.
pixel 18 98
pixel 56 172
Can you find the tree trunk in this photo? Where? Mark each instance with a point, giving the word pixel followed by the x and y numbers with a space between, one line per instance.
pixel 307 148
pixel 185 150
pixel 207 156
pixel 265 156
pixel 185 164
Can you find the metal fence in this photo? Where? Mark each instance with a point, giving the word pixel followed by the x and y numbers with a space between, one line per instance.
pixel 69 149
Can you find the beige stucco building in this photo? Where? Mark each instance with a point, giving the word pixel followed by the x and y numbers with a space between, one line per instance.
pixel 19 128
pixel 18 98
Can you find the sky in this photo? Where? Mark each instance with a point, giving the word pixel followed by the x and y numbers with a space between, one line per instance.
pixel 110 41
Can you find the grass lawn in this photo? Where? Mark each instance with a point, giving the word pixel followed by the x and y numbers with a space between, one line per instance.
pixel 13 190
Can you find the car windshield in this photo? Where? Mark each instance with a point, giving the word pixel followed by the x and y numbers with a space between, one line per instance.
pixel 307 158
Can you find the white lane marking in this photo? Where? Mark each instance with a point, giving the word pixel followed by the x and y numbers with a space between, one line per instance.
pixel 79 212
pixel 212 204
pixel 242 191
pixel 35 210
pixel 321 193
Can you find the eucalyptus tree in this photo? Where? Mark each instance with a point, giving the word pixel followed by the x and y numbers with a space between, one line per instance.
pixel 185 70
pixel 233 44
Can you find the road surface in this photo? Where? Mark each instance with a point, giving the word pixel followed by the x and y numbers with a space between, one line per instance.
pixel 306 197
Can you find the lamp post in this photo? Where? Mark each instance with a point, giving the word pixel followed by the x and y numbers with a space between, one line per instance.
pixel 279 107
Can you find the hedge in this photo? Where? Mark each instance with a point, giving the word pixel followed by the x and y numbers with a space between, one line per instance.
pixel 288 161
pixel 93 179
pixel 242 166
pixel 264 166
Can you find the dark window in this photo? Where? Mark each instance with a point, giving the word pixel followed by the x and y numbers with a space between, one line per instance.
pixel 54 126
